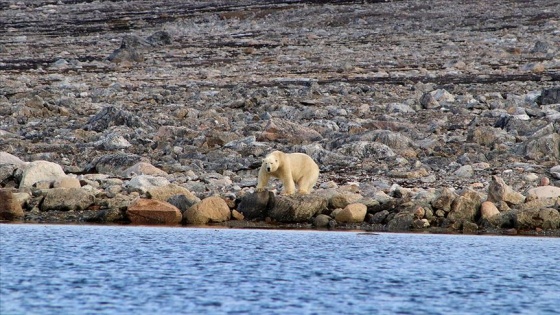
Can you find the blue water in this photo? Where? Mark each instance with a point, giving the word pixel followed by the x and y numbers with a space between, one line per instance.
pixel 51 269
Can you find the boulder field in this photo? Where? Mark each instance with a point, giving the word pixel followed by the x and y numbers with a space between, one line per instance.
pixel 429 116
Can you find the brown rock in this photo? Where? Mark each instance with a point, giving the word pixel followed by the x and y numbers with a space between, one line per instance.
pixel 498 190
pixel 10 208
pixel 151 211
pixel 352 213
pixel 163 193
pixel 465 207
pixel 488 209
pixel 211 209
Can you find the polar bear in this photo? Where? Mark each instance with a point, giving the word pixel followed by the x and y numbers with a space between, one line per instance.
pixel 291 169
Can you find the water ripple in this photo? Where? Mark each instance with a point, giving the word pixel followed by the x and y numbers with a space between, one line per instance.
pixel 145 270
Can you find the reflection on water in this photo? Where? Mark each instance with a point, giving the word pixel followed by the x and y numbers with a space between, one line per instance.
pixel 47 269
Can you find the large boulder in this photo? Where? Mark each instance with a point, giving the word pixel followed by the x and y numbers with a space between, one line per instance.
pixel 547 218
pixel 444 199
pixel 256 205
pixel 297 208
pixel 7 158
pixel 40 171
pixel 352 213
pixel 164 193
pixel 151 211
pixel 10 207
pixel 67 199
pixel 498 191
pixel 402 221
pixel 211 209
pixel 488 209
pixel 544 192
pixel 465 207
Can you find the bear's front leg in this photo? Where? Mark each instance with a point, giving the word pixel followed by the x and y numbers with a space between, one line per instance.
pixel 262 180
pixel 289 186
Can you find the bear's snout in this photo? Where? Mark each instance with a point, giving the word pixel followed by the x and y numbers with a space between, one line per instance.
pixel 268 169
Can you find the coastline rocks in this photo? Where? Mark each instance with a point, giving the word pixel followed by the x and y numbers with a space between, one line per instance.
pixel 211 209
pixel 151 211
pixel 66 199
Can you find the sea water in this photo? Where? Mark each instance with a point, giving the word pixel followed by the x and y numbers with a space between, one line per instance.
pixel 69 269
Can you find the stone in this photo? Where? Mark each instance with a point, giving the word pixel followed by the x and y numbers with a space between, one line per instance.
pixel 542 147
pixel 143 183
pixel 352 213
pixel 545 219
pixel 555 171
pixel 321 221
pixel 165 192
pixel 150 211
pixel 67 199
pixel 444 199
pixel 143 168
pixel 256 205
pixel 465 171
pixel 284 131
pixel 402 221
pixel 379 217
pixel 209 210
pixel 421 223
pixel 470 227
pixel 111 116
pixel 550 96
pixel 7 158
pixel 544 192
pixel 296 208
pixel 182 201
pixel 341 199
pixel 114 164
pixel 38 171
pixel 488 209
pixel 466 207
pixel 498 190
pixel 10 207
pixel 67 182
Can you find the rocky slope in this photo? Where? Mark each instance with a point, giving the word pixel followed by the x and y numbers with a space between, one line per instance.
pixel 402 97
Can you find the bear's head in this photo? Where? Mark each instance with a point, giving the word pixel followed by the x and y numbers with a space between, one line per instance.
pixel 271 163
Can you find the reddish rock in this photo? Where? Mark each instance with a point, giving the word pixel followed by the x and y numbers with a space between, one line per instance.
pixel 151 211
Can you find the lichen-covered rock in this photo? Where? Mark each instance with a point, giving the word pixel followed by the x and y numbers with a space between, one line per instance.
pixel 547 218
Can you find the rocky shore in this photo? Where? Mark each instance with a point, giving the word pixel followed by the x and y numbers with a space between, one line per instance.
pixel 438 116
